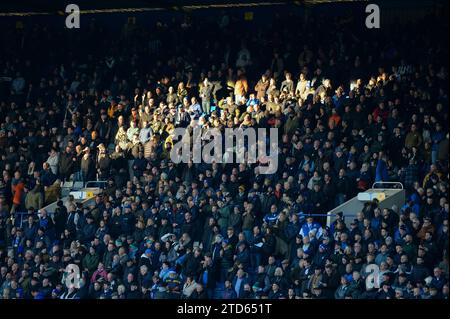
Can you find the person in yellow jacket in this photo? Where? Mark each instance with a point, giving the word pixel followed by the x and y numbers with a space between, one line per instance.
pixel 34 198
pixel 112 109
pixel 240 87
pixel 53 192
pixel 433 171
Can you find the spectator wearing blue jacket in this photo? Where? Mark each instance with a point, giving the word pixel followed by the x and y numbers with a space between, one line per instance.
pixel 436 137
pixel 309 226
pixel 229 292
pixel 239 281
pixel 381 171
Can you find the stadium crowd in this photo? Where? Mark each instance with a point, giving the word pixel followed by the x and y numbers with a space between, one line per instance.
pixel 351 108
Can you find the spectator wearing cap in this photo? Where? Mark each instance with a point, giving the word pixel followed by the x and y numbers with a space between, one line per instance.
pixel 385 292
pixel 88 230
pixel 146 259
pixel 226 254
pixel 400 233
pixel 320 256
pixel 242 254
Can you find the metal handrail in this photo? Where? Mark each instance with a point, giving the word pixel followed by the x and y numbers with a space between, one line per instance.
pixel 303 215
pixel 319 215
pixel 391 183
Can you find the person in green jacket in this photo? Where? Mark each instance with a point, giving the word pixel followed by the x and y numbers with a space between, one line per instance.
pixel 409 248
pixel 34 197
pixel 91 260
pixel 224 213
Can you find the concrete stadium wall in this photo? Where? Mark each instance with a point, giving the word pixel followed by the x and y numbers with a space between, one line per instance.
pixel 354 205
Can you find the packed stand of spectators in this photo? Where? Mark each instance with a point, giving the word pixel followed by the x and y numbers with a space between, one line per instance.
pixel 351 107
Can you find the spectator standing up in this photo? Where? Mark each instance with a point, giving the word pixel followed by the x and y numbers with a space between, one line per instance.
pixel 261 87
pixel 206 90
pixel 240 87
pixel 87 166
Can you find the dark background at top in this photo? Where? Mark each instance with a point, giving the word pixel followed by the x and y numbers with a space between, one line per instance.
pixel 393 12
